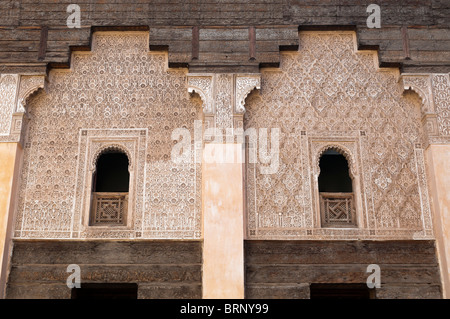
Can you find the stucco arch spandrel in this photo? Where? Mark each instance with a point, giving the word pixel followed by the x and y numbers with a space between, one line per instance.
pixel 244 85
pixel 28 85
pixel 342 150
pixel 202 85
pixel 421 84
pixel 111 147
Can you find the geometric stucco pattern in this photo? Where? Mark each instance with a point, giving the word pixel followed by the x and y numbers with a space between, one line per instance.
pixel 441 95
pixel 92 143
pixel 434 90
pixel 119 93
pixel 8 92
pixel 28 85
pixel 325 94
pixel 328 93
pixel 14 91
pixel 221 109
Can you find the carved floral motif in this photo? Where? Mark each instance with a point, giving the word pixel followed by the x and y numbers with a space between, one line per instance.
pixel 8 91
pixel 119 94
pixel 244 85
pixel 441 94
pixel 28 85
pixel 326 95
pixel 202 85
pixel 326 92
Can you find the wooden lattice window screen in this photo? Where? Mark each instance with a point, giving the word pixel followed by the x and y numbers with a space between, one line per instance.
pixel 337 209
pixel 109 209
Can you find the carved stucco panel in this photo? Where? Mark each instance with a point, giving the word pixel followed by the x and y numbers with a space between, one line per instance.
pixel 28 85
pixel 224 101
pixel 14 90
pixel 131 142
pixel 434 90
pixel 8 94
pixel 203 86
pixel 244 85
pixel 441 94
pixel 421 83
pixel 110 95
pixel 331 91
pixel 223 96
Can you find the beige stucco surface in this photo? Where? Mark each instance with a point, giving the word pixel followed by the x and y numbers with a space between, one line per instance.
pixel 438 157
pixel 9 154
pixel 223 227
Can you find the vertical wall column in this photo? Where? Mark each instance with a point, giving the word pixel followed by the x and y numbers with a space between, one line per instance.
pixel 438 159
pixel 14 90
pixel 223 225
pixel 223 97
pixel 434 90
pixel 10 158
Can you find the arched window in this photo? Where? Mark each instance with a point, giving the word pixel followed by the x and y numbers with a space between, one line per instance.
pixel 337 204
pixel 110 187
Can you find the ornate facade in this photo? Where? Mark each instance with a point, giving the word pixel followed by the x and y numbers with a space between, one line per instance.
pixel 137 99
pixel 392 127
pixel 356 108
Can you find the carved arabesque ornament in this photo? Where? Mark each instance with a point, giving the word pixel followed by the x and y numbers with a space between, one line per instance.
pixel 327 90
pixel 203 86
pixel 244 85
pixel 29 84
pixel 434 90
pixel 441 97
pixel 120 95
pixel 421 83
pixel 8 96
pixel 330 95
pixel 14 91
pixel 223 96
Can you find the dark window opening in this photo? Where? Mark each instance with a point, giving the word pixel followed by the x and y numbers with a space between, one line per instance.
pixel 336 198
pixel 334 174
pixel 341 291
pixel 110 186
pixel 106 291
pixel 112 173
